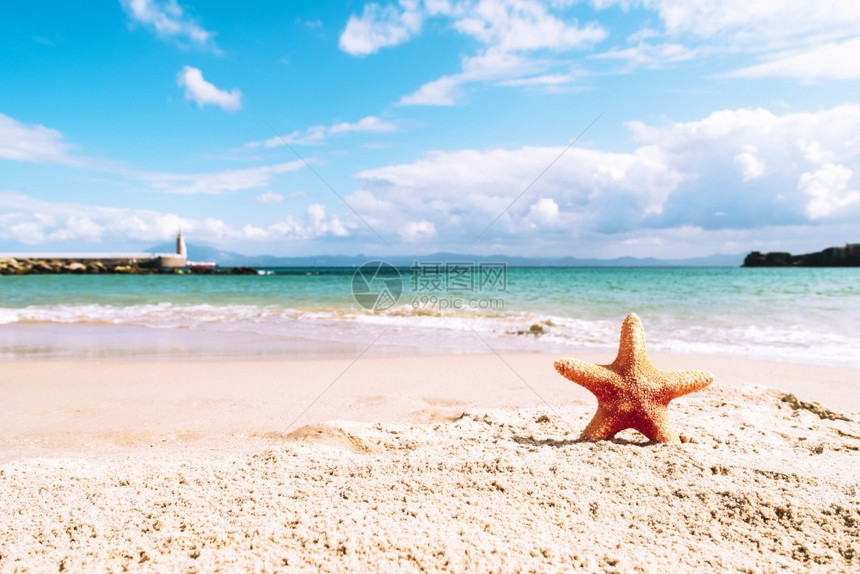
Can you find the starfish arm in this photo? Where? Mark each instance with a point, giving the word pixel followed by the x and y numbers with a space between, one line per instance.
pixel 603 426
pixel 595 378
pixel 658 428
pixel 631 347
pixel 679 383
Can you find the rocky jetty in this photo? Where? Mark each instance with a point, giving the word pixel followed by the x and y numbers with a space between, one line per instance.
pixel 35 266
pixel 848 256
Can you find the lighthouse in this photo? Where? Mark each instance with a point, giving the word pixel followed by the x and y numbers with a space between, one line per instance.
pixel 181 249
pixel 178 259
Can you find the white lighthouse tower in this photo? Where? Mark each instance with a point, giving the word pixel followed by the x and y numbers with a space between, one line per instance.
pixel 181 249
pixel 178 259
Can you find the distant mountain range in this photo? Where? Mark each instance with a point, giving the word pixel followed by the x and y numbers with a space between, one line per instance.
pixel 232 259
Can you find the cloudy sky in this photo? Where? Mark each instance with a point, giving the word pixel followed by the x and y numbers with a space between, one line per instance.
pixel 413 126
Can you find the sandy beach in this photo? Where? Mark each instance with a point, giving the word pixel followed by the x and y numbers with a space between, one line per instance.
pixel 414 464
pixel 449 286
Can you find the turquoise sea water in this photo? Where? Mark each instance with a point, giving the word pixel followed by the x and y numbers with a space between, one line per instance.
pixel 804 315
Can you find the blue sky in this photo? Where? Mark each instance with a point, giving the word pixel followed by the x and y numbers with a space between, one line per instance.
pixel 416 126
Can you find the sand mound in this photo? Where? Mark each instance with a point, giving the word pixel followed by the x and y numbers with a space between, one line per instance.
pixel 329 435
pixel 766 486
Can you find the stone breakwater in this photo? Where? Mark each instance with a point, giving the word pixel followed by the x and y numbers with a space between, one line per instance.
pixel 37 266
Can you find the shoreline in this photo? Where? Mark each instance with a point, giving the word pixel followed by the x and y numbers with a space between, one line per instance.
pixel 104 341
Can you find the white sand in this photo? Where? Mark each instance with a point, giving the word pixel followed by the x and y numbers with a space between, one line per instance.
pixel 193 467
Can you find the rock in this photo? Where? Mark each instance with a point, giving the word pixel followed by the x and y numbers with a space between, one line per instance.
pixel 536 329
pixel 754 259
pixel 243 271
pixel 848 256
pixel 11 263
pixel 39 266
pixel 75 267
pixel 777 259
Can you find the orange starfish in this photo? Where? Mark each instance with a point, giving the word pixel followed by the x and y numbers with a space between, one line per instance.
pixel 631 392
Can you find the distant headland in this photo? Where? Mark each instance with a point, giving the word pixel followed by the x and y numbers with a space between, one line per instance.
pixel 848 256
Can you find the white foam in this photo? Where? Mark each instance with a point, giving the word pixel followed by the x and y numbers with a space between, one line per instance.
pixel 407 326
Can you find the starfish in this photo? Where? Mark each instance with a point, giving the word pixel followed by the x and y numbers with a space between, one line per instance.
pixel 631 392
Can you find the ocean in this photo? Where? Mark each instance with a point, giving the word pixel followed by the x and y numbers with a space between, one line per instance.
pixel 804 315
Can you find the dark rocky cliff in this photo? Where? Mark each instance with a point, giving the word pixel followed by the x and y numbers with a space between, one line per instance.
pixel 848 256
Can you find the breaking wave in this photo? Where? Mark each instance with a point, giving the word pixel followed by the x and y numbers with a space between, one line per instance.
pixel 466 331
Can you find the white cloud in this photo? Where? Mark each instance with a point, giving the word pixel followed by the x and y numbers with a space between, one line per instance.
pixel 463 191
pixel 733 170
pixel 788 175
pixel 168 19
pixel 367 124
pixel 380 26
pixel 76 227
pixel 32 143
pixel 547 80
pixel 493 65
pixel 416 231
pixel 827 188
pixel 642 34
pixel 315 135
pixel 543 211
pixel 523 25
pixel 814 152
pixel 319 225
pixel 830 61
pixel 808 41
pixel 314 224
pixel 216 182
pixel 201 92
pixel 508 32
pixel 31 221
pixel 269 197
pixel 751 166
pixel 39 144
pixel 799 39
pixel 758 23
pixel 645 55
pixel 441 92
pixel 496 64
pixel 364 201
